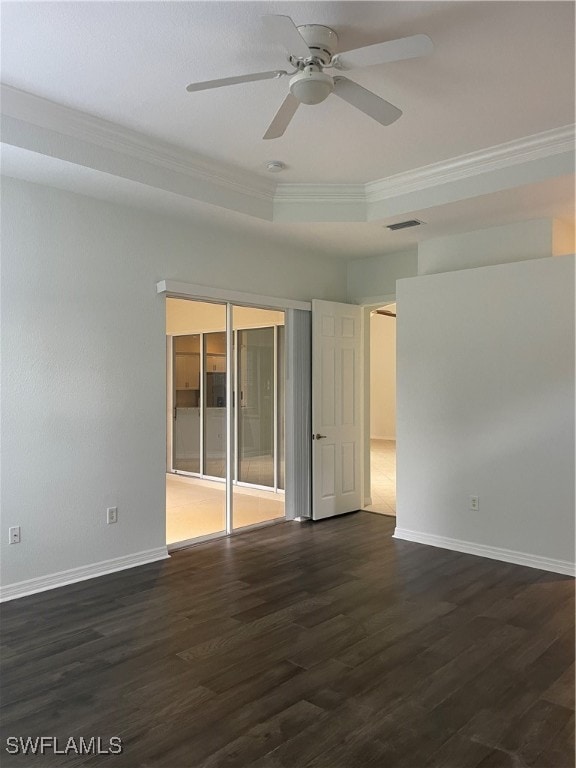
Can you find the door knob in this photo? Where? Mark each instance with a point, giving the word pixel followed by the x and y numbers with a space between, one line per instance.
pixel 318 436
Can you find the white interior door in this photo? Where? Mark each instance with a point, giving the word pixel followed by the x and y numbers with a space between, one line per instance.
pixel 336 408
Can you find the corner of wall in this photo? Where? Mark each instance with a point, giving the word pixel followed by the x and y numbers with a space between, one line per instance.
pixel 372 281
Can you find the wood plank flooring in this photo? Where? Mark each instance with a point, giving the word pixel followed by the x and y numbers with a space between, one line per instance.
pixel 329 645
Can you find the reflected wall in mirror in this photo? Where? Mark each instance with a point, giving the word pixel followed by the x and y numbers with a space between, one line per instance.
pixel 186 379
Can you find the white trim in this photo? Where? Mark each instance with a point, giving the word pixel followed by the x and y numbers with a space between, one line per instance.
pixel 275 427
pixel 82 573
pixel 174 288
pixel 170 404
pixel 524 150
pixel 298 405
pixel 67 121
pixel 320 193
pixel 47 128
pixel 50 115
pixel 201 403
pixel 229 417
pixel 485 550
pixel 235 402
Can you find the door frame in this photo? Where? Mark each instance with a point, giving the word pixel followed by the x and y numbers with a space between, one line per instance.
pixel 388 298
pixel 293 490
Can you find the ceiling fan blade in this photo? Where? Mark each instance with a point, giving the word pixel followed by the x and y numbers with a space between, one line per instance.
pixel 366 101
pixel 283 30
pixel 235 80
pixel 282 118
pixel 381 53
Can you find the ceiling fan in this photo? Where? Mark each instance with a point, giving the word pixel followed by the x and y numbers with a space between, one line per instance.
pixel 311 50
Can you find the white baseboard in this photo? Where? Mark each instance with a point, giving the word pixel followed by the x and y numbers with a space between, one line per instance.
pixel 383 437
pixel 73 575
pixel 483 550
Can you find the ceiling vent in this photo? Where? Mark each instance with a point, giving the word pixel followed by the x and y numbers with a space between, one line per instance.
pixel 404 224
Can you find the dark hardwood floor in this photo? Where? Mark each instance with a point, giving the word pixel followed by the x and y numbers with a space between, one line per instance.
pixel 328 645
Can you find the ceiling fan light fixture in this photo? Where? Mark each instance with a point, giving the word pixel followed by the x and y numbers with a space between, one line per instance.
pixel 312 47
pixel 310 86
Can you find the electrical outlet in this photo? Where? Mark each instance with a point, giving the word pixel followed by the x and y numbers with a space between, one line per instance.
pixel 112 515
pixel 14 534
pixel 474 503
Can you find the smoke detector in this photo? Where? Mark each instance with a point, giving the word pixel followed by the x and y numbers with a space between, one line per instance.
pixel 275 166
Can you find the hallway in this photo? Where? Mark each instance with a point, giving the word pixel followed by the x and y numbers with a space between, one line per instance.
pixel 383 477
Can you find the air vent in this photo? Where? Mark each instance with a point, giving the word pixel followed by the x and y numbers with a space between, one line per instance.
pixel 404 224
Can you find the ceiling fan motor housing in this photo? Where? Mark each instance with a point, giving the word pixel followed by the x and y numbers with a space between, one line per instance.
pixel 322 41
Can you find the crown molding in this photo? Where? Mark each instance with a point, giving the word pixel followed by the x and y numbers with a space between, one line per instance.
pixel 319 202
pixel 66 121
pixel 320 193
pixel 527 149
pixel 45 127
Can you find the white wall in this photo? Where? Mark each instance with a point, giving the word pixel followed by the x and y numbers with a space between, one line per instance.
pixel 373 280
pixel 533 239
pixel 84 371
pixel 485 407
pixel 383 377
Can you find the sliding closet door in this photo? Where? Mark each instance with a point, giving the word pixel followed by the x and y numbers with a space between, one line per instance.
pixel 228 424
pixel 195 502
pixel 256 397
pixel 280 408
pixel 256 406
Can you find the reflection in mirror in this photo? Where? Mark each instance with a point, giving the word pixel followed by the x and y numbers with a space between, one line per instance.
pixel 215 404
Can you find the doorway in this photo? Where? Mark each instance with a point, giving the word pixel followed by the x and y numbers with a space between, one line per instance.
pixel 225 451
pixel 383 410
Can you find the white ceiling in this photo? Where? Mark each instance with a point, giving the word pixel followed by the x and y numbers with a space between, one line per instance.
pixel 501 71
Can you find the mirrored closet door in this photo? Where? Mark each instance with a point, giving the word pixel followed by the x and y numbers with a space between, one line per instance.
pixel 202 368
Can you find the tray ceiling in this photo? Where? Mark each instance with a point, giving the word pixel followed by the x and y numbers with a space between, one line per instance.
pixel 94 101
